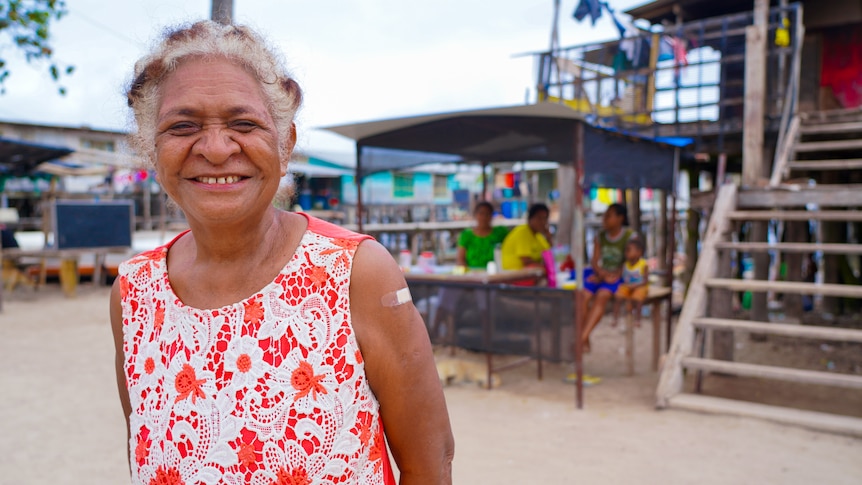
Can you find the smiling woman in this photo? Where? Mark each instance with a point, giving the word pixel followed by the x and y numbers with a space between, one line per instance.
pixel 256 348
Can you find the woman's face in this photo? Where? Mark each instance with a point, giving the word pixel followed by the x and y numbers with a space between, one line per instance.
pixel 483 216
pixel 539 221
pixel 216 143
pixel 612 220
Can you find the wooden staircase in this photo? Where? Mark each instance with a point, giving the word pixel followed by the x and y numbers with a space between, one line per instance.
pixel 819 144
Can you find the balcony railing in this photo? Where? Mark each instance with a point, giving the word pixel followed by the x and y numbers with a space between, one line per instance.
pixel 685 81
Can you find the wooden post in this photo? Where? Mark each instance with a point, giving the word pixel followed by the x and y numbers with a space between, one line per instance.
pixel 578 247
pixel 692 231
pixel 653 62
pixel 634 208
pixel 147 202
pixel 630 341
pixel 661 250
pixel 359 187
pixel 755 95
pixel 720 306
pixel 795 232
pixel 485 182
pixel 753 166
pixel 721 169
pixel 565 225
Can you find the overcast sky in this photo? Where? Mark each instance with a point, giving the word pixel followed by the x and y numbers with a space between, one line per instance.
pixel 356 60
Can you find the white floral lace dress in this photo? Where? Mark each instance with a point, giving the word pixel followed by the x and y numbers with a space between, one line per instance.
pixel 269 390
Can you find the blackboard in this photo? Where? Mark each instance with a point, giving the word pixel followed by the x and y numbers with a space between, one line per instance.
pixel 92 224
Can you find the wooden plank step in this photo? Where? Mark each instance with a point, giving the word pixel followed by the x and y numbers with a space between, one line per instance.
pixel 783 329
pixel 792 195
pixel 762 247
pixel 791 215
pixel 773 372
pixel 825 146
pixel 848 291
pixel 830 116
pixel 821 128
pixel 830 423
pixel 838 164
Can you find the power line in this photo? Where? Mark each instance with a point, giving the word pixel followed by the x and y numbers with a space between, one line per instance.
pixel 108 29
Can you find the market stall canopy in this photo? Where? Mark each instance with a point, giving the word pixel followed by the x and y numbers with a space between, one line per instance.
pixel 535 132
pixel 20 158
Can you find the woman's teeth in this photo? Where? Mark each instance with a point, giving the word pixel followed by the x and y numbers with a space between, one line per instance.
pixel 218 181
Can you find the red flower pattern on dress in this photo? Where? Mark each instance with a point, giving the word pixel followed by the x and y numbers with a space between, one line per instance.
pixel 243 363
pixel 188 384
pixel 299 325
pixel 303 380
pixel 246 455
pixel 345 248
pixel 159 317
pixel 253 311
pixel 169 476
pixel 296 477
pixel 149 365
pixel 318 276
pixel 142 451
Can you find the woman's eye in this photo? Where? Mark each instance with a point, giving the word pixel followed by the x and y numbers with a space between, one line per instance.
pixel 182 128
pixel 243 125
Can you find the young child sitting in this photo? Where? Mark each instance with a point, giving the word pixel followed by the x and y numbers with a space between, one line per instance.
pixel 634 285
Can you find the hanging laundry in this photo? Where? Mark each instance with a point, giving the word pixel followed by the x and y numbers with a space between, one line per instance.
pixel 593 8
pixel 680 57
pixel 665 48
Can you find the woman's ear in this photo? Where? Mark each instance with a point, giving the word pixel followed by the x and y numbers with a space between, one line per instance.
pixel 289 144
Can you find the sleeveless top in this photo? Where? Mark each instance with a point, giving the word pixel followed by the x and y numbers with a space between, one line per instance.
pixel 268 390
pixel 633 274
pixel 613 250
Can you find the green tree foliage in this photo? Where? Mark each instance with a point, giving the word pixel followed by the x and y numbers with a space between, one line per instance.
pixel 26 23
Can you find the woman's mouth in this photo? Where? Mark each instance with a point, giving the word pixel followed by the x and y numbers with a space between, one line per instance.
pixel 230 179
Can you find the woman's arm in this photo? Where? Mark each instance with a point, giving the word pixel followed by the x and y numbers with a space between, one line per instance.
pixel 119 359
pixel 461 257
pixel 594 260
pixel 400 368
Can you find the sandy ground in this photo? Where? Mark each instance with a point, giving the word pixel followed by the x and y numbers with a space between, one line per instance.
pixel 61 421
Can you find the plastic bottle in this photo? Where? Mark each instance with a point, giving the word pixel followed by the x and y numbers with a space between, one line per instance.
pixel 405 260
pixel 498 257
pixel 427 261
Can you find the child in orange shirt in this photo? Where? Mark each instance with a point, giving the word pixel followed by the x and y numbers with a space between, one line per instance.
pixel 634 285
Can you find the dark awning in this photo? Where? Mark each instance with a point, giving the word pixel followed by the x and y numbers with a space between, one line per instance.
pixel 536 132
pixel 21 158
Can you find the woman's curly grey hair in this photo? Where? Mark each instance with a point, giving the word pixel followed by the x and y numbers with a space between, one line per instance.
pixel 208 39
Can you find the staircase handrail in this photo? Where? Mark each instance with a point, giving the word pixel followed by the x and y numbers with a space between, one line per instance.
pixel 671 380
pixel 789 124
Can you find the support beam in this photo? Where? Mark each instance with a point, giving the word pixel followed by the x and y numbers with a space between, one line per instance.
pixel 753 168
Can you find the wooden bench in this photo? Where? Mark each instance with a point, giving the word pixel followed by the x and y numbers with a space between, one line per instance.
pixel 656 296
pixel 69 274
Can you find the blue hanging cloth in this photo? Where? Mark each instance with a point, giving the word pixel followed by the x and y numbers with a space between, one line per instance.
pixel 593 8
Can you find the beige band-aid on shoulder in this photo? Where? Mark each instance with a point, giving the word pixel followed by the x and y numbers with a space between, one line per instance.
pixel 396 298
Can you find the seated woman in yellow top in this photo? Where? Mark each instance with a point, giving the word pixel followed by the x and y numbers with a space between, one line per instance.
pixel 524 245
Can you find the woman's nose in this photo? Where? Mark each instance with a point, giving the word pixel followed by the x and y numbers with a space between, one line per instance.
pixel 216 145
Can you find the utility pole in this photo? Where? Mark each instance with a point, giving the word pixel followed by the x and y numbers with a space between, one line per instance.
pixel 222 11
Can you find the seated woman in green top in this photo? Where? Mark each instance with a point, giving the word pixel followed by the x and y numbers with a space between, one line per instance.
pixel 602 278
pixel 476 245
pixel 524 245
